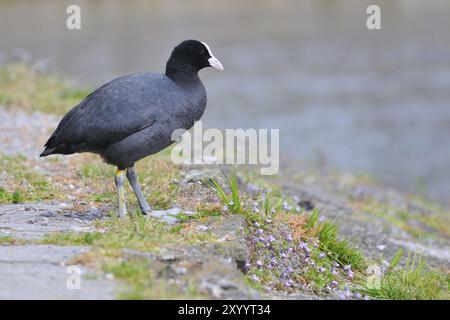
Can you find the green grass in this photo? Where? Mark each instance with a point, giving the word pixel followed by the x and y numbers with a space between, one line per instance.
pixel 438 219
pixel 201 212
pixel 232 201
pixel 143 284
pixel 156 175
pixel 9 240
pixel 342 251
pixel 26 89
pixel 135 232
pixel 416 281
pixel 22 183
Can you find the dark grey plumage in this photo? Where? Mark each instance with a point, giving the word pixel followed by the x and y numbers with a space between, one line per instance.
pixel 129 118
pixel 134 116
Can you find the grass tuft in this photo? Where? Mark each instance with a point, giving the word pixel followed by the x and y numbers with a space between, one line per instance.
pixel 341 250
pixel 233 202
pixel 416 281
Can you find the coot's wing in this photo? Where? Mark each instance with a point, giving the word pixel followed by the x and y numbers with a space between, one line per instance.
pixel 111 113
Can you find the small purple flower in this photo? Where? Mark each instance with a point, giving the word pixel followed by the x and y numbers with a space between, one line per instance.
pixel 348 293
pixel 350 273
pixel 289 237
pixel 288 283
pixel 269 221
pixel 358 295
pixel 322 255
pixel 348 267
pixel 247 266
pixel 255 277
pixel 333 272
pixel 271 239
pixel 333 283
pixel 321 218
pixel 259 264
pixel 304 246
pixel 289 269
pixel 336 264
pixel 286 206
pixel 256 224
pixel 290 250
pixel 260 231
pixel 322 269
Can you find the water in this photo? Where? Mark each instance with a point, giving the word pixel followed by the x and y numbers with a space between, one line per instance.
pixel 375 102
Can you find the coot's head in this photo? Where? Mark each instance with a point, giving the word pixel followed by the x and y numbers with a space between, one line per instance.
pixel 192 56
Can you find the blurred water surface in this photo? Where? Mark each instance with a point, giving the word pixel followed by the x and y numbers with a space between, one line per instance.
pixel 363 101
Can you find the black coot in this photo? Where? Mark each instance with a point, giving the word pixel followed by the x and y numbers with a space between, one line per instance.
pixel 134 116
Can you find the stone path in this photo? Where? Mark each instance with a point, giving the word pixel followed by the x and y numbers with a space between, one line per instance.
pixel 33 271
pixel 40 272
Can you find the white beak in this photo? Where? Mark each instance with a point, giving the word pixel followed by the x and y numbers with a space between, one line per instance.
pixel 213 62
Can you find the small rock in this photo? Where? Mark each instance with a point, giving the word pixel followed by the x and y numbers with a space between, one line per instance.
pixel 48 214
pixel 109 276
pixel 64 205
pixel 306 204
pixel 201 227
pixel 180 270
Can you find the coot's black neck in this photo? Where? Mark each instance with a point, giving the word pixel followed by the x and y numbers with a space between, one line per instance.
pixel 181 72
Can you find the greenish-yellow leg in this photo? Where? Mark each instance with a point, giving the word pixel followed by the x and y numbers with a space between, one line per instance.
pixel 120 179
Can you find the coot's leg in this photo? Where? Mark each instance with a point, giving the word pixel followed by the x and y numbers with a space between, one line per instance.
pixel 132 177
pixel 120 179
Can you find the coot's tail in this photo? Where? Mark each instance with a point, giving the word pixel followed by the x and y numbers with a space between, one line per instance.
pixel 47 152
pixel 63 148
